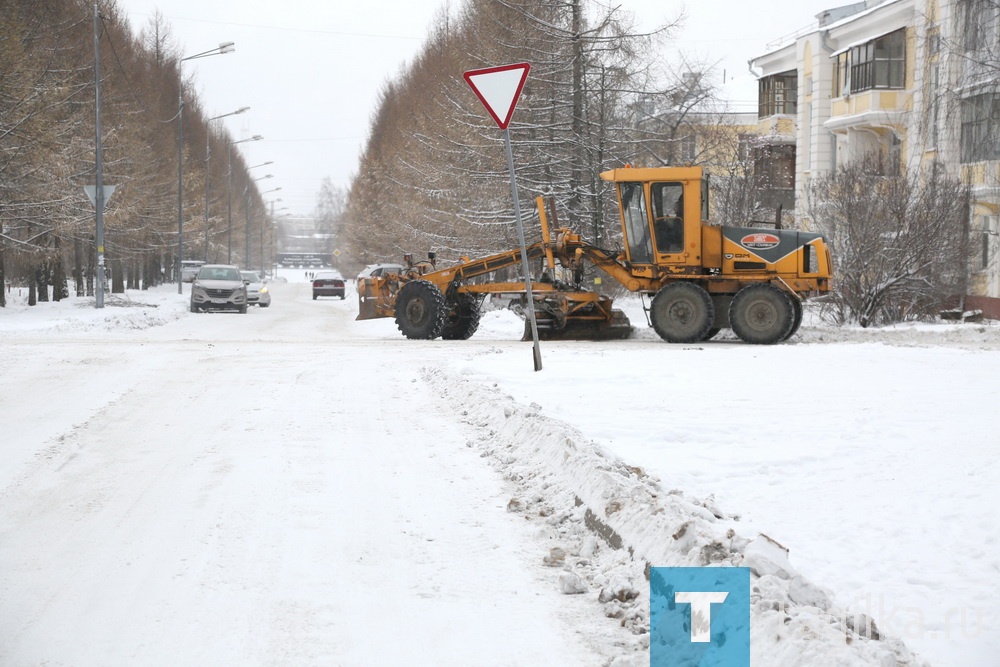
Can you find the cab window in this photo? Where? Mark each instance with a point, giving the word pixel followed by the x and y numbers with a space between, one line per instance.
pixel 668 216
pixel 640 246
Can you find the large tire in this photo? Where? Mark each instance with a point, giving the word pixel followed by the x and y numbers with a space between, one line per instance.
pixel 762 314
pixel 462 318
pixel 682 312
pixel 797 306
pixel 420 310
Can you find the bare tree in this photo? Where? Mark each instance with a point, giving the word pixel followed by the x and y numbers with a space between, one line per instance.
pixel 899 242
pixel 433 174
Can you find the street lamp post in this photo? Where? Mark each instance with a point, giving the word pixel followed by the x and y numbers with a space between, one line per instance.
pixel 229 195
pixel 274 240
pixel 208 177
pixel 225 47
pixel 262 225
pixel 246 192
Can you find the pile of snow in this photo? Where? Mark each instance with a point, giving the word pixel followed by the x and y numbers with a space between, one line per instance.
pixel 131 310
pixel 574 489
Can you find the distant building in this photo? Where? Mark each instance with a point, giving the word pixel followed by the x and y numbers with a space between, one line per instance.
pixel 300 244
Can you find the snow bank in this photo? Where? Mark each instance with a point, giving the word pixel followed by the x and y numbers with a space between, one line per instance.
pixel 574 489
pixel 132 310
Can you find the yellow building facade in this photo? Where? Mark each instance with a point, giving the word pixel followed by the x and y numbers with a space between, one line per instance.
pixel 910 83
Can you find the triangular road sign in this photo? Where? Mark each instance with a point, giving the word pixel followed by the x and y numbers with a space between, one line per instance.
pixel 91 191
pixel 498 89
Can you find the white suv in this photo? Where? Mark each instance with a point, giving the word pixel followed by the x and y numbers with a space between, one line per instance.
pixel 219 287
pixel 189 269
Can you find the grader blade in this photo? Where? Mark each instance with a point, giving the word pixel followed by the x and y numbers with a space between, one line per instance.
pixel 579 327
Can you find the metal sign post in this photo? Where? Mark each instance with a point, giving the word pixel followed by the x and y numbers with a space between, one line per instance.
pixel 498 89
pixel 98 193
pixel 536 349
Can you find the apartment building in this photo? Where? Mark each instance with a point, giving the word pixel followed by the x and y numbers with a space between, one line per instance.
pixel 914 84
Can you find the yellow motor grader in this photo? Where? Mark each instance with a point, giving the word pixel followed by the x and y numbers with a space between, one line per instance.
pixel 701 278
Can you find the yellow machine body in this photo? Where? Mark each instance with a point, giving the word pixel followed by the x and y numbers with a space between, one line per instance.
pixel 668 241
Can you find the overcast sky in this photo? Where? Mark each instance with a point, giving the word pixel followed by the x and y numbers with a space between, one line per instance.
pixel 311 70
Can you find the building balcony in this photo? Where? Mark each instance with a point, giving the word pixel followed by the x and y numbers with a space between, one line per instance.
pixel 869 108
pixel 779 125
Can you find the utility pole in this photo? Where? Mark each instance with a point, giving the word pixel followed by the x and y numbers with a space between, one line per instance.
pixel 99 162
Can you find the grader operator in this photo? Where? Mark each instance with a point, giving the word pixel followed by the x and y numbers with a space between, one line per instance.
pixel 701 278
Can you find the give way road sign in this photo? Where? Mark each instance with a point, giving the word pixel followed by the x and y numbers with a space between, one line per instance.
pixel 498 89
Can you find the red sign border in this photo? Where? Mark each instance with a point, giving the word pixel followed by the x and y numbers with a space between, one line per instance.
pixel 502 124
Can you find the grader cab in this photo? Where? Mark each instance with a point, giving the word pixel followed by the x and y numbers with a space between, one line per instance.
pixel 701 278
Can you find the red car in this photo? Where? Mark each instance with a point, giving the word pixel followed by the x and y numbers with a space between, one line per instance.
pixel 328 283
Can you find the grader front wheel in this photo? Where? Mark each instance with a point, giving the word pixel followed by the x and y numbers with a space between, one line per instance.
pixel 462 319
pixel 420 310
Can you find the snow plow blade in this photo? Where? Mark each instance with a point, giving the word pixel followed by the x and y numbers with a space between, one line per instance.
pixel 579 327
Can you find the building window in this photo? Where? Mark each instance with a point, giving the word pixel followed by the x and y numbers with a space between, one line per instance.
pixel 774 169
pixel 687 149
pixel 980 138
pixel 986 223
pixel 880 63
pixel 979 24
pixel 778 94
pixel 745 146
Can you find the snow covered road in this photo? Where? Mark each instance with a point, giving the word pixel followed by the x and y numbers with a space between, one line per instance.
pixel 236 490
pixel 295 487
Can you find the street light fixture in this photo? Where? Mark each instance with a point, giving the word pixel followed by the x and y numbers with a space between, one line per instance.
pixel 229 195
pixel 224 47
pixel 208 157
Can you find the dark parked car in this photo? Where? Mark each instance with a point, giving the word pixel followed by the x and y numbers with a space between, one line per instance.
pixel 328 283
pixel 219 287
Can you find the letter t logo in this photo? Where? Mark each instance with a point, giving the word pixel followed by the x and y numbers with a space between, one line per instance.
pixel 701 611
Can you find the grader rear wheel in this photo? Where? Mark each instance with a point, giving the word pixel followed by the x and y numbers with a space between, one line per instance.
pixel 682 313
pixel 462 319
pixel 420 310
pixel 712 333
pixel 762 314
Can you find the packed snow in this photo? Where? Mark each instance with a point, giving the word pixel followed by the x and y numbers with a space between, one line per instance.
pixel 292 486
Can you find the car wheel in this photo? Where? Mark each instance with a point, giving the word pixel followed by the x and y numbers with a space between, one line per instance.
pixel 314 296
pixel 243 309
pixel 195 308
pixel 264 305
